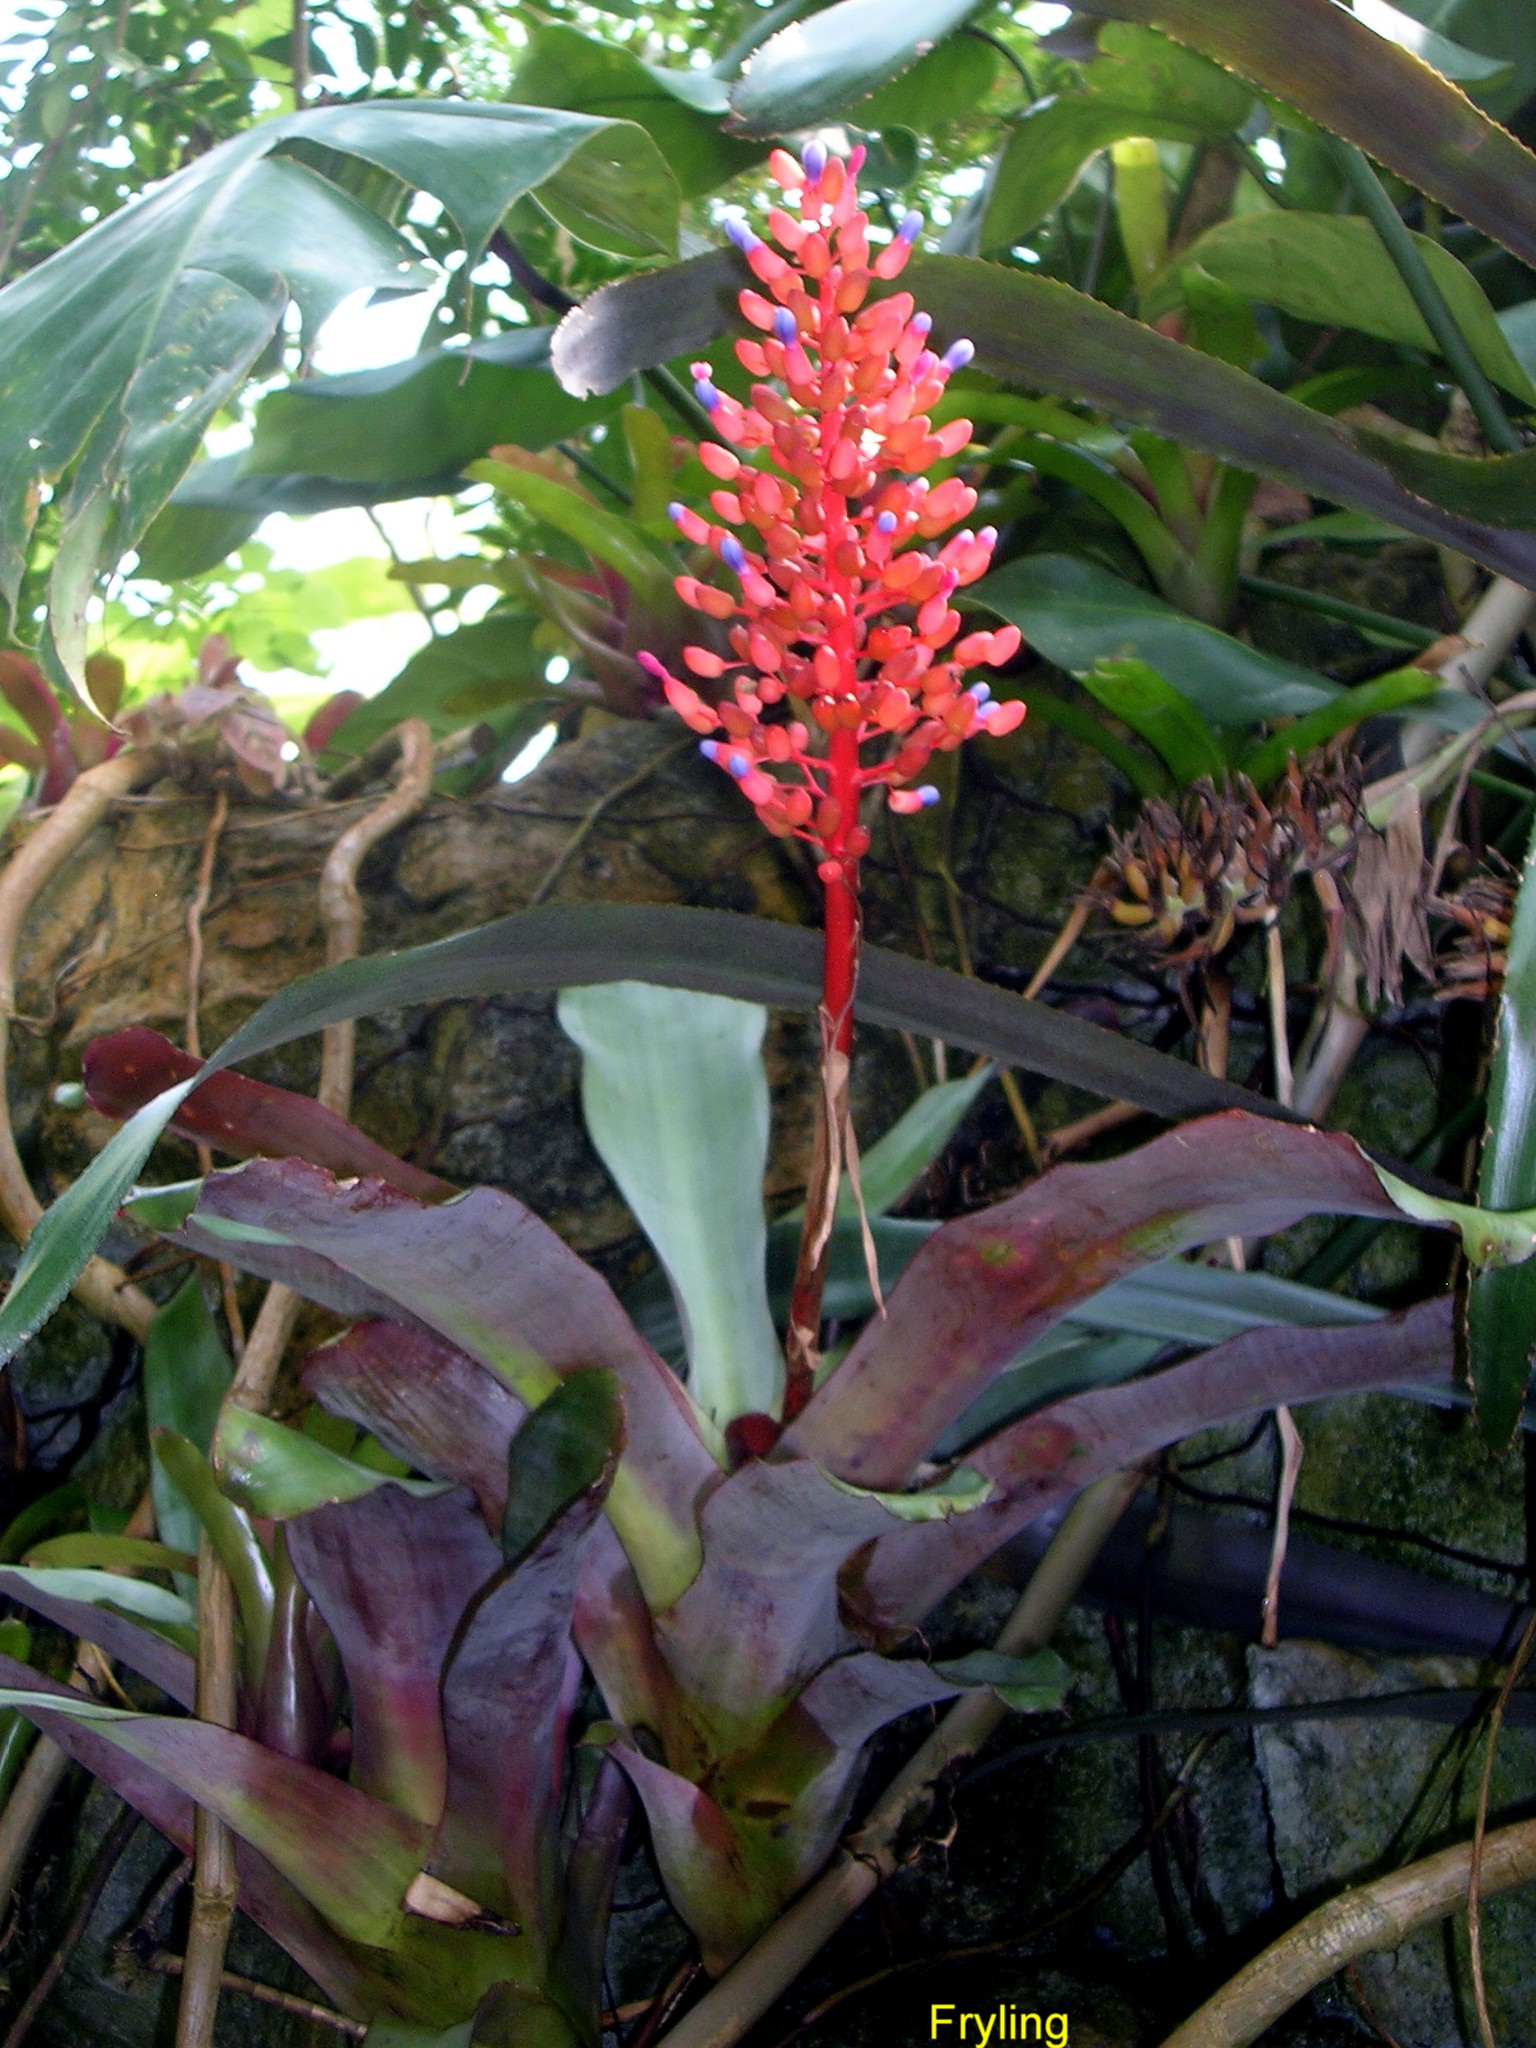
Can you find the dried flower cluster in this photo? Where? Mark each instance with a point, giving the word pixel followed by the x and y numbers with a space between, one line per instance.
pixel 844 635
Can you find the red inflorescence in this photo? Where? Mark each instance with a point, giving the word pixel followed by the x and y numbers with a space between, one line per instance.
pixel 844 636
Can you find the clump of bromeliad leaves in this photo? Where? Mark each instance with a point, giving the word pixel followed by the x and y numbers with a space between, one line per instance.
pixel 529 1577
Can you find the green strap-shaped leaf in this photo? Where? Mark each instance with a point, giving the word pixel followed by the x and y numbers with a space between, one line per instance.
pixel 1037 1684
pixel 567 1449
pixel 1501 1306
pixel 751 959
pixel 676 1102
pixel 229 1530
pixel 1322 59
pixel 812 68
pixel 1391 692
pixel 1163 716
pixel 107 1553
pixel 1036 332
pixel 607 536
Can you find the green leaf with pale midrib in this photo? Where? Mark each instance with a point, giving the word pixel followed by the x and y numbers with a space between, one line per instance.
pixel 810 69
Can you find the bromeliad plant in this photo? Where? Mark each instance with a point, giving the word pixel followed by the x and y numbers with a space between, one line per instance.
pixel 748 1598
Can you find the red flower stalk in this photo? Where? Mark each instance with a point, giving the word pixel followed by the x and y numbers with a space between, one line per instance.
pixel 848 673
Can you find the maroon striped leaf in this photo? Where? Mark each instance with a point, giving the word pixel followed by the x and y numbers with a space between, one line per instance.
pixel 245 1119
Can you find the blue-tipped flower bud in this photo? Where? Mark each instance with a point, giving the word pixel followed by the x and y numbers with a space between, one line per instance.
pixel 927 795
pixel 885 522
pixel 785 326
pixel 676 512
pixel 709 749
pixel 958 354
pixel 706 394
pixel 989 535
pixel 814 158
pixel 911 226
pixel 739 765
pixel 980 691
pixel 732 553
pixel 920 323
pixel 741 235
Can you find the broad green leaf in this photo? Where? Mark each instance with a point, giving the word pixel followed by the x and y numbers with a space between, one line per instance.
pixel 607 536
pixel 676 1103
pixel 351 1856
pixel 813 68
pixel 1450 59
pixel 416 420
pixel 186 1374
pixel 1163 716
pixel 1494 30
pixel 1329 63
pixel 715 952
pixel 276 1472
pixel 1519 328
pixel 453 680
pixel 681 111
pixel 229 1530
pixel 945 86
pixel 1501 1306
pixel 566 1450
pixel 1078 615
pixel 1145 775
pixel 403 2034
pixel 1036 332
pixel 1140 83
pixel 1391 692
pixel 1334 270
pixel 102 1553
pixel 1037 1684
pixel 122 347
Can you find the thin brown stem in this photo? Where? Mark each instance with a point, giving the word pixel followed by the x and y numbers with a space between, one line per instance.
pixel 105 1861
pixel 1072 1137
pixel 1291 1452
pixel 1366 1920
pixel 59 834
pixel 196 910
pixel 1059 948
pixel 877 1850
pixel 267 1994
pixel 1279 1029
pixel 1480 1834
pixel 215 1882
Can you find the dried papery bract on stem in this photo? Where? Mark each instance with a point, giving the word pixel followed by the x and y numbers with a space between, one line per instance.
pixel 847 669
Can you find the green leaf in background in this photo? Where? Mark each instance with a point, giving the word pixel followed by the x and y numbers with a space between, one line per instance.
pixel 1334 270
pixel 1078 615
pixel 568 1448
pixel 1451 59
pixel 402 2034
pixel 1391 692
pixel 276 1472
pixel 1491 489
pixel 1140 83
pixel 107 1553
pixel 166 1612
pixel 453 680
pixel 1519 328
pixel 1037 1684
pixel 607 536
pixel 946 85
pixel 813 68
pixel 1321 58
pixel 1135 693
pixel 187 1372
pixel 681 111
pixel 676 1103
pixel 900 1157
pixel 228 1529
pixel 1501 1306
pixel 418 419
pixel 1146 776
pixel 120 349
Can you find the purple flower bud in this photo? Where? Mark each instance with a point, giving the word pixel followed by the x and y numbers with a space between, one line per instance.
pixel 739 765
pixel 988 534
pixel 911 226
pixel 785 326
pixel 709 749
pixel 958 354
pixel 814 158
pixel 927 795
pixel 885 522
pixel 732 553
pixel 980 691
pixel 706 394
pixel 675 512
pixel 919 323
pixel 741 235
